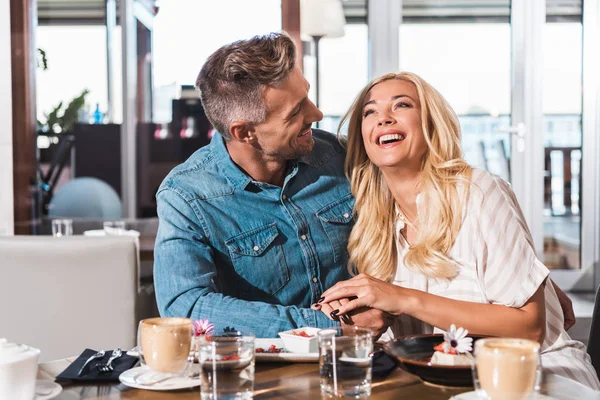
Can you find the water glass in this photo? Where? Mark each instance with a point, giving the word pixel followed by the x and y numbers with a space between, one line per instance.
pixel 165 346
pixel 345 361
pixel 62 227
pixel 227 366
pixel 507 369
pixel 114 228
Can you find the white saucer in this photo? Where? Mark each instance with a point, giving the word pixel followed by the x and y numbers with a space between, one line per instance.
pixel 46 390
pixel 180 382
pixel 473 396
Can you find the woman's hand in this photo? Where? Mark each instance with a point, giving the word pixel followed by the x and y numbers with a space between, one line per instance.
pixel 366 291
pixel 528 321
pixel 329 308
pixel 372 318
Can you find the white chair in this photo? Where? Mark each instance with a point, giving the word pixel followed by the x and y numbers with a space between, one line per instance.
pixel 65 294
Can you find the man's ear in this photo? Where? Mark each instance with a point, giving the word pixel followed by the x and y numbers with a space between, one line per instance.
pixel 242 131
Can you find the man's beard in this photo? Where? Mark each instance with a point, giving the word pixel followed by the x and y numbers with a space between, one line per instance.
pixel 293 153
pixel 300 150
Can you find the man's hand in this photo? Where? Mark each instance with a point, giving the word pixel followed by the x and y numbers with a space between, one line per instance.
pixel 377 320
pixel 364 317
pixel 567 306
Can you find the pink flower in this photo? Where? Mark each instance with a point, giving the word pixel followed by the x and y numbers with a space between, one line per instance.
pixel 203 327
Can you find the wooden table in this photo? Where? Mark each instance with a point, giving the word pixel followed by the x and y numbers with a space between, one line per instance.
pixel 290 381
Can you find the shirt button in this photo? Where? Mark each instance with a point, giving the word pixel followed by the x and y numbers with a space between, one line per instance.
pixel 284 197
pixel 256 248
pixel 346 215
pixel 303 237
pixel 315 280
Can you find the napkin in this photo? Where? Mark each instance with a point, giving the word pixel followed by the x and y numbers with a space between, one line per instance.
pixel 91 373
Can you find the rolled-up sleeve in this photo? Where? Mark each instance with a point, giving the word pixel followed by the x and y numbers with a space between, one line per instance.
pixel 509 269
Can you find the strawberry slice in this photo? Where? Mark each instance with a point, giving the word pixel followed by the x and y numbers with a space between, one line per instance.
pixel 440 348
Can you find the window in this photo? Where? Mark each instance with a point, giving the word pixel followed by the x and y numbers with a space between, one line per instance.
pixel 186 32
pixel 76 61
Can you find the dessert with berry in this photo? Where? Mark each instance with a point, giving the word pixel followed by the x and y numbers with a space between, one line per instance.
pixel 455 349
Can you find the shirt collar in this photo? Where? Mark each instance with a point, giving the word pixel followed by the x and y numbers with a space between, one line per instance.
pixel 400 218
pixel 320 154
pixel 322 150
pixel 313 159
pixel 231 171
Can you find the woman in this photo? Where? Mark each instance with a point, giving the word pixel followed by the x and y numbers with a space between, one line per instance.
pixel 437 242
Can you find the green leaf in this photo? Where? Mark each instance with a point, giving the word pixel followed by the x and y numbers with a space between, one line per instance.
pixel 52 118
pixel 43 60
pixel 71 114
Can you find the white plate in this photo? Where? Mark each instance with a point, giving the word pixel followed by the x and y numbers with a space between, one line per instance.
pixel 283 356
pixel 46 390
pixel 128 378
pixel 265 343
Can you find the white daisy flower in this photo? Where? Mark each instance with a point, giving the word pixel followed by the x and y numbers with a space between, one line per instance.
pixel 457 340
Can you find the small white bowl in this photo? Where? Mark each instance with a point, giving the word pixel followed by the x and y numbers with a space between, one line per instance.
pixel 299 344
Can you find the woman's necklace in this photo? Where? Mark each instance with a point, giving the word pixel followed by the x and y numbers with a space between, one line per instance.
pixel 404 230
pixel 402 216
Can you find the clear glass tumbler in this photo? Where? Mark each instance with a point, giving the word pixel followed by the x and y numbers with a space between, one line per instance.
pixel 227 366
pixel 114 228
pixel 62 227
pixel 345 361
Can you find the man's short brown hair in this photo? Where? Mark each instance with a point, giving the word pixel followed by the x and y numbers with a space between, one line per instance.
pixel 233 79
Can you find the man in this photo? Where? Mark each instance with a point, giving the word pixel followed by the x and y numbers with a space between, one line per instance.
pixel 254 227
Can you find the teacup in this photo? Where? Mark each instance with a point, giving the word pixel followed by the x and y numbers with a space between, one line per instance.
pixel 507 369
pixel 165 344
pixel 18 370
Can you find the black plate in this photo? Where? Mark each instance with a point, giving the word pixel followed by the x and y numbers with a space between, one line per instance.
pixel 383 364
pixel 414 353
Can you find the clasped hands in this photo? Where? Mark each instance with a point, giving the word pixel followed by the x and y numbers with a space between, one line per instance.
pixel 369 302
pixel 359 301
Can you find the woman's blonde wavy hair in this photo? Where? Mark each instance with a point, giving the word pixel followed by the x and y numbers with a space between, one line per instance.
pixel 372 243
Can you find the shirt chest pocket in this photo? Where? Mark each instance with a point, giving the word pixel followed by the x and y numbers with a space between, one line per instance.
pixel 336 219
pixel 257 256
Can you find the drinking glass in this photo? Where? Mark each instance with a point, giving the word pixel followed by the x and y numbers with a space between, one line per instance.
pixel 507 369
pixel 62 227
pixel 114 228
pixel 227 366
pixel 165 346
pixel 345 361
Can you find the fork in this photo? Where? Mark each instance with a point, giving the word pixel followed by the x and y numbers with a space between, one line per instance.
pixel 99 354
pixel 108 366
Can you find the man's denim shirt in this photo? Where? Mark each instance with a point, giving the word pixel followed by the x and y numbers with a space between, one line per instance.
pixel 247 254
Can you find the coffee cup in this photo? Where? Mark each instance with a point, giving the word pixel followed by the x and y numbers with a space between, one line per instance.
pixel 18 370
pixel 507 369
pixel 165 344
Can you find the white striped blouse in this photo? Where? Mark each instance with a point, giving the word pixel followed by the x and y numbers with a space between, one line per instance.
pixel 498 265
